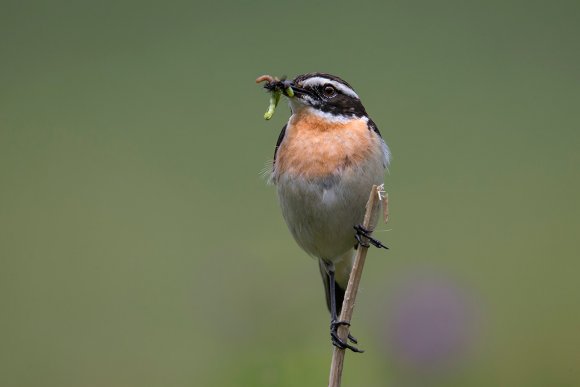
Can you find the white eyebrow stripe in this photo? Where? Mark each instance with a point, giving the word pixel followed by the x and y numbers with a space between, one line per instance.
pixel 320 81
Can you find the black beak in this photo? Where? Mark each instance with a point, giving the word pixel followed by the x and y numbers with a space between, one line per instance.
pixel 288 88
pixel 284 86
pixel 300 92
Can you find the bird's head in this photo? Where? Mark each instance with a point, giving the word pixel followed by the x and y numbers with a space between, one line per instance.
pixel 321 92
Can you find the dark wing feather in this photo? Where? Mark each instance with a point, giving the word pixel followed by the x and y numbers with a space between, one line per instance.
pixel 386 153
pixel 280 138
pixel 372 126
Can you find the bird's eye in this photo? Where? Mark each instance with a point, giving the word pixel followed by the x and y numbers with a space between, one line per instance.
pixel 329 91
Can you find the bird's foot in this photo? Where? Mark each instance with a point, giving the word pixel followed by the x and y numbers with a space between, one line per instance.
pixel 337 341
pixel 363 232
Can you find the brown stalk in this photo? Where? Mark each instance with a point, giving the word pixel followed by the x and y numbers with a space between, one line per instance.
pixel 372 211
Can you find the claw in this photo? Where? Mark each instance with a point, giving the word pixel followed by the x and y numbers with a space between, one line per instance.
pixel 352 338
pixel 360 241
pixel 338 342
pixel 361 231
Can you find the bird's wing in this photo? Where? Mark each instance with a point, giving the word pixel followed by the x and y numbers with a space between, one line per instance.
pixel 386 152
pixel 280 138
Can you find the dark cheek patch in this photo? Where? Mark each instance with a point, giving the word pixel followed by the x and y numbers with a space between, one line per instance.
pixel 343 105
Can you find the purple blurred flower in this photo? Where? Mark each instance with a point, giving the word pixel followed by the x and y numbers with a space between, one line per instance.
pixel 430 324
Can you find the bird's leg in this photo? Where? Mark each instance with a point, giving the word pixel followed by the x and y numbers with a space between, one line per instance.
pixel 334 322
pixel 363 232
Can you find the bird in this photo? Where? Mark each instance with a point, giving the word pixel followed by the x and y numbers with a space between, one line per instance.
pixel 327 158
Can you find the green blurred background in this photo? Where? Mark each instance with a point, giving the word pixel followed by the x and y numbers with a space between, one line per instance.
pixel 139 245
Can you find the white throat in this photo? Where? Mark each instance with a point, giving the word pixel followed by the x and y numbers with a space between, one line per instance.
pixel 298 107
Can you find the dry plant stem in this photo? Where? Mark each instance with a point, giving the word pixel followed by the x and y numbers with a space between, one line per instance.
pixel 386 208
pixel 372 212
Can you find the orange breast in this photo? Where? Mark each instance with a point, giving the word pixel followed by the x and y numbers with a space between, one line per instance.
pixel 314 147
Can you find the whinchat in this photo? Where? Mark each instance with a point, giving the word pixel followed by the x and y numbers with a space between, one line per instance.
pixel 327 158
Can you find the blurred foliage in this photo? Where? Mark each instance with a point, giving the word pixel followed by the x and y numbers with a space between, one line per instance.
pixel 140 247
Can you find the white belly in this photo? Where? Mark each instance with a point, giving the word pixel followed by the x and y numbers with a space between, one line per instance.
pixel 321 213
